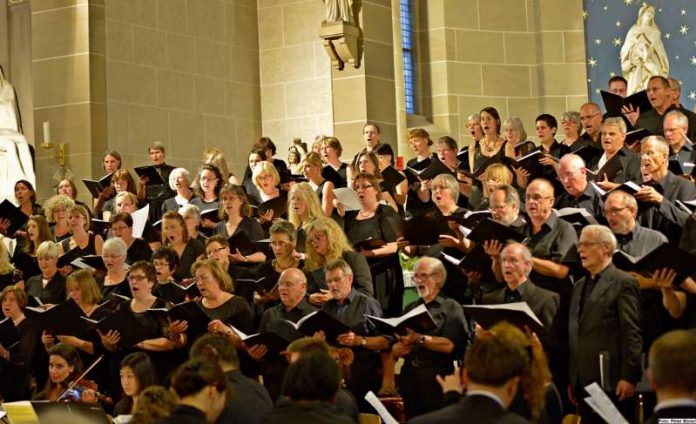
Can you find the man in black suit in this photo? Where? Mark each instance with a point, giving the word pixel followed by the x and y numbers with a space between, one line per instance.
pixel 605 338
pixel 672 374
pixel 577 190
pixel 663 190
pixel 516 263
pixel 493 367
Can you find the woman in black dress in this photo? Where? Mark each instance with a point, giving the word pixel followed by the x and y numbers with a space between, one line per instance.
pixel 311 168
pixel 234 214
pixel 175 235
pixel 49 286
pixel 304 207
pixel 267 181
pixel 122 227
pixel 16 361
pixel 192 219
pixel 9 275
pixel 115 281
pixel 24 257
pixel 56 210
pixel 420 142
pixel 372 232
pixel 386 159
pixel 87 242
pixel 180 182
pixel 331 151
pixel 207 187
pixel 25 195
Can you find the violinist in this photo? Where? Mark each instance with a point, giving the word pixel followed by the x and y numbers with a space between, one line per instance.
pixel 65 366
pixel 137 373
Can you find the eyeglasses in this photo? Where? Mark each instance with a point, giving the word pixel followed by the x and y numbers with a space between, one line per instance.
pixel 536 197
pixel 422 276
pixel 111 256
pixel 568 175
pixel 614 211
pixel 214 251
pixel 438 187
pixel 316 238
pixel 363 187
pixel 208 179
pixel 136 278
pixel 589 243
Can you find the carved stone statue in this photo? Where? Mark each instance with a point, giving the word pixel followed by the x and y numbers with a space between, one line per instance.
pixel 643 54
pixel 339 11
pixel 9 113
pixel 15 162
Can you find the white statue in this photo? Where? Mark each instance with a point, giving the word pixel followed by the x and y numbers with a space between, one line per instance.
pixel 15 162
pixel 643 54
pixel 8 105
pixel 339 10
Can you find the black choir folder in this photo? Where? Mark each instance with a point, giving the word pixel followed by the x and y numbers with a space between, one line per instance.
pixel 9 338
pixel 369 243
pixel 13 214
pixel 273 341
pixel 279 206
pixel 613 103
pixel 576 216
pixel 150 172
pixel 320 321
pixel 664 256
pixel 390 178
pixel 263 283
pixel 517 313
pixel 123 321
pixel 193 314
pixel 489 229
pixel 241 242
pixel 59 320
pixel 95 187
pixel 417 319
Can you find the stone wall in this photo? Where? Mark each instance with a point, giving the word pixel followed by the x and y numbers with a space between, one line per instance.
pixel 523 57
pixel 183 72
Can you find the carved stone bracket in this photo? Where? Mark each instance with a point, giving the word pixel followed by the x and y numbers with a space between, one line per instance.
pixel 342 43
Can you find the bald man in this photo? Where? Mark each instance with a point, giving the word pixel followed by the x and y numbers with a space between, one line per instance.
pixel 591 118
pixel 292 288
pixel 577 191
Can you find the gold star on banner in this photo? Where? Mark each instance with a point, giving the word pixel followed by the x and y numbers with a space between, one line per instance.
pixel 693 60
pixel 585 14
pixel 668 36
pixel 676 57
pixel 683 12
pixel 692 95
pixel 612 74
pixel 606 7
pixel 628 2
pixel 617 41
pixel 597 91
pixel 617 23
pixel 597 41
pixel 684 30
pixel 592 62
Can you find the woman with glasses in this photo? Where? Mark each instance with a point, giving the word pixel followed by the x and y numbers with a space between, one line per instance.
pixel 326 241
pixel 266 179
pixel 176 236
pixel 121 181
pixel 377 222
pixel 114 282
pixel 207 189
pixel 122 227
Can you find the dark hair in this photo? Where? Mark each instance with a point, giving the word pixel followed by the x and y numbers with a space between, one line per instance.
pixel 30 187
pixel 385 149
pixel 195 375
pixel 218 184
pixel 372 124
pixel 71 182
pixel 494 113
pixel 616 78
pixel 122 217
pixel 449 142
pixel 266 144
pixel 549 119
pixel 154 404
pixel 257 150
pixel 115 154
pixel 167 253
pixel 174 216
pixel 238 191
pixel 665 81
pixel 215 346
pixel 144 372
pixel 44 234
pixel 147 268
pixel 222 241
pixel 312 377
pixel 125 175
pixel 71 356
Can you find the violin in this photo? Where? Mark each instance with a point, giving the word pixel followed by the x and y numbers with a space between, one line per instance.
pixel 79 385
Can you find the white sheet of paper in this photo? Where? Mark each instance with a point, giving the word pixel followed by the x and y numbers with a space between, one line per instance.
pixel 380 408
pixel 139 220
pixel 602 403
pixel 348 197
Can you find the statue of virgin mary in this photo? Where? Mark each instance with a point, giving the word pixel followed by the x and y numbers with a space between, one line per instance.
pixel 643 54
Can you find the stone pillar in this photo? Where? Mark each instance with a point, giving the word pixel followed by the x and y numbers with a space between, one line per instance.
pixel 368 92
pixel 69 87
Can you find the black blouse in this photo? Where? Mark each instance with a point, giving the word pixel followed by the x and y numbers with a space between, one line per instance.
pixel 192 251
pixel 235 312
pixel 53 293
pixel 380 226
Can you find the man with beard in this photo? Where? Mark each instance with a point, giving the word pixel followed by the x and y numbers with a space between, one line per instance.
pixel 433 353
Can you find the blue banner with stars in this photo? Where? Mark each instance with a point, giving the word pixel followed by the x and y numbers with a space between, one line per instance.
pixel 636 39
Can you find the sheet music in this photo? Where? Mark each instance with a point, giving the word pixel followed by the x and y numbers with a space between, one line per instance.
pixel 348 197
pixel 600 402
pixel 380 408
pixel 139 220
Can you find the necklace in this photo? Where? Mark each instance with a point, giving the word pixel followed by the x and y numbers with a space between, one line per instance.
pixel 283 268
pixel 490 148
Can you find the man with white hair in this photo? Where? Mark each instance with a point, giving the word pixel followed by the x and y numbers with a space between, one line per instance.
pixel 613 137
pixel 605 337
pixel 681 150
pixel 433 353
pixel 578 192
pixel 663 191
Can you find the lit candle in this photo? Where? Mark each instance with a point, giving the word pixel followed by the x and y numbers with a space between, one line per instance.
pixel 47 132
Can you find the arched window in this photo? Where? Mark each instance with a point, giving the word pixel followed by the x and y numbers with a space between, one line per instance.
pixel 407 45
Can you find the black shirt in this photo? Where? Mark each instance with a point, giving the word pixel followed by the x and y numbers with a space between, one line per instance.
pixel 248 404
pixel 52 293
pixel 139 250
pixel 185 414
pixel 353 310
pixel 588 199
pixel 449 323
pixel 192 251
pixel 640 241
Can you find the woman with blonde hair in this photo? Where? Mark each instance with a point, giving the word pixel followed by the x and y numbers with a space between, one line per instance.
pixel 304 208
pixel 327 241
pixel 56 209
pixel 215 157
pixel 88 242
pixel 312 166
pixel 495 175
pixel 266 179
pixel 53 291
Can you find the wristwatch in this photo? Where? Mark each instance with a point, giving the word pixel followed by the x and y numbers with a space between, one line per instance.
pixel 422 340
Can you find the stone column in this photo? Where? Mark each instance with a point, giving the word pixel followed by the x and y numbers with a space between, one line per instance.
pixel 368 92
pixel 69 87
